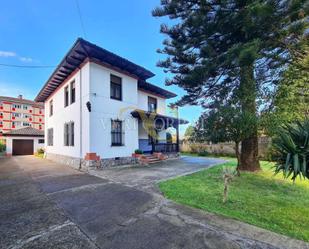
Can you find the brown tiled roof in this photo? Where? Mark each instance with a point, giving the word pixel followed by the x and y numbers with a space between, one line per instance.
pixel 27 131
pixel 22 101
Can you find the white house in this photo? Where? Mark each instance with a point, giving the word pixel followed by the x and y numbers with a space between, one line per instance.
pixel 99 105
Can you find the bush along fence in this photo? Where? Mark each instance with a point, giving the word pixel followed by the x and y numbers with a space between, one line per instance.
pixel 225 149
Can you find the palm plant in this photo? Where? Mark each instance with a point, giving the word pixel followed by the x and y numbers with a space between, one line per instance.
pixel 291 148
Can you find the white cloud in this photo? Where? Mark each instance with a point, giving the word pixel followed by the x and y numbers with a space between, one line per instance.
pixel 7 54
pixel 25 59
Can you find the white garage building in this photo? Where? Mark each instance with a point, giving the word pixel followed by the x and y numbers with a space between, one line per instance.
pixel 24 141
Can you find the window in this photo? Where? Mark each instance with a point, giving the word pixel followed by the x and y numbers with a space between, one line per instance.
pixel 25 107
pixel 16 123
pixel 69 134
pixel 51 108
pixel 1 123
pixel 1 114
pixel 41 141
pixel 27 124
pixel 72 92
pixel 50 137
pixel 152 104
pixel 16 115
pixel 116 88
pixel 66 134
pixel 117 135
pixel 66 96
pixel 25 115
pixel 16 106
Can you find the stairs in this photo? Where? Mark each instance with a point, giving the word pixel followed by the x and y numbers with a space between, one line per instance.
pixel 151 159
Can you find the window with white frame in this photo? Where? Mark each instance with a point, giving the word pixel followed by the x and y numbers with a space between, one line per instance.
pixel 1 114
pixel 1 122
pixel 117 133
pixel 25 115
pixel 51 108
pixel 25 107
pixel 68 134
pixel 50 137
pixel 26 124
pixel 16 123
pixel 16 115
pixel 41 141
pixel 73 92
pixel 17 106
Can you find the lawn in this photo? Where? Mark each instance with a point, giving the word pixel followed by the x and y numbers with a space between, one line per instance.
pixel 261 199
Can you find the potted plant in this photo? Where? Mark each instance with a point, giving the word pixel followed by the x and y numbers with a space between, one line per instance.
pixel 137 153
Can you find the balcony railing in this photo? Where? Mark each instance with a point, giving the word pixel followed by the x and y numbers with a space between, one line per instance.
pixel 165 148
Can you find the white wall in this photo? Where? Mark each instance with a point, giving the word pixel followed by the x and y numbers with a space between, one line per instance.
pixel 36 145
pixel 62 115
pixel 104 109
pixel 92 84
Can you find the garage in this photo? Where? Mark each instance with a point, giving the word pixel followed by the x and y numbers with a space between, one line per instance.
pixel 24 141
pixel 22 147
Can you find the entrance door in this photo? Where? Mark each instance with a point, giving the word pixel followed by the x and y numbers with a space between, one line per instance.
pixel 22 147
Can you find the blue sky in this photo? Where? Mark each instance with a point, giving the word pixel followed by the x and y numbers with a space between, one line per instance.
pixel 34 32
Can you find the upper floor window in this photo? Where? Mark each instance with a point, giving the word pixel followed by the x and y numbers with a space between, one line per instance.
pixel 152 104
pixel 16 123
pixel 117 133
pixel 26 124
pixel 25 115
pixel 51 108
pixel 16 115
pixel 1 114
pixel 50 137
pixel 16 106
pixel 72 86
pixel 116 87
pixel 1 123
pixel 66 96
pixel 69 134
pixel 25 107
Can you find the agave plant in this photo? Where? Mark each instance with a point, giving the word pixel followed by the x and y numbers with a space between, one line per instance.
pixel 291 148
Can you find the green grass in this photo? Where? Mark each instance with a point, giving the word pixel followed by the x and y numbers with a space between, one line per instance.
pixel 261 199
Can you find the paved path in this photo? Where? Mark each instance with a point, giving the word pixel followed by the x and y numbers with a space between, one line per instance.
pixel 46 205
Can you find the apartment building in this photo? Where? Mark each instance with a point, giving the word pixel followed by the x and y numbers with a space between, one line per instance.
pixel 16 113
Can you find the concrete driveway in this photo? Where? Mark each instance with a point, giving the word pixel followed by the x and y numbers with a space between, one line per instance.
pixel 47 205
pixel 146 176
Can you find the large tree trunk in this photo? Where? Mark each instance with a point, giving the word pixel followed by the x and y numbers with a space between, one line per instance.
pixel 249 155
pixel 247 92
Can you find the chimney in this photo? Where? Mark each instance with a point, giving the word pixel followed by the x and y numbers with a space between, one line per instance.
pixel 20 96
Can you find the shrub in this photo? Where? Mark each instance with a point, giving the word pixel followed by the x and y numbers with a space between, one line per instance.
pixel 137 151
pixel 291 150
pixel 2 147
pixel 41 151
pixel 203 153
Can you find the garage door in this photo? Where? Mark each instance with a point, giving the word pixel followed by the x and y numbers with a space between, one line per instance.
pixel 22 147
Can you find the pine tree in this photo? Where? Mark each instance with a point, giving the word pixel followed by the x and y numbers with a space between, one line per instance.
pixel 232 49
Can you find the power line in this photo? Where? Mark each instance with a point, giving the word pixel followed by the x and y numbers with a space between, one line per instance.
pixel 80 18
pixel 23 66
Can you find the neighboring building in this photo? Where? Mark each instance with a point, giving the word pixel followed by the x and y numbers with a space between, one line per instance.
pixel 98 105
pixel 16 113
pixel 24 141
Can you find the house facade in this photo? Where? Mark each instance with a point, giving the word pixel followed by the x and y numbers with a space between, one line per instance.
pixel 100 107
pixel 16 113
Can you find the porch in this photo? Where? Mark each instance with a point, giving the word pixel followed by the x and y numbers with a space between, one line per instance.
pixel 154 132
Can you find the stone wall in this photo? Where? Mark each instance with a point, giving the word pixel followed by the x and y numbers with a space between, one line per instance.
pixel 121 161
pixel 66 160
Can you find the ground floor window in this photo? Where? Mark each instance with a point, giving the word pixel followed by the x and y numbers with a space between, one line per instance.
pixel 69 134
pixel 50 137
pixel 41 141
pixel 117 133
